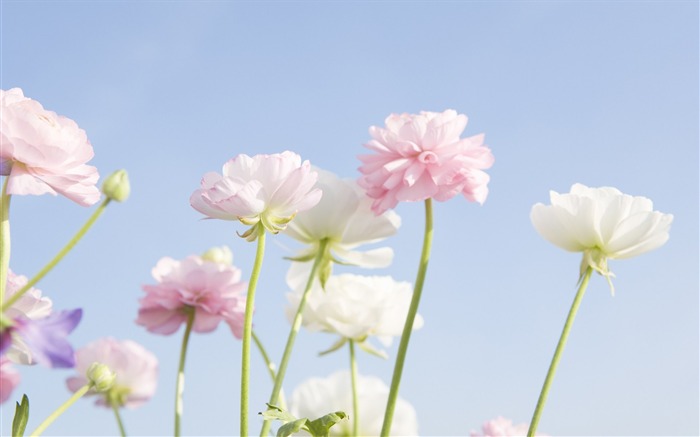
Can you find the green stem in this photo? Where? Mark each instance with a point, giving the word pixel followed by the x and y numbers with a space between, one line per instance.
pixel 47 268
pixel 60 410
pixel 557 353
pixel 408 326
pixel 248 329
pixel 4 240
pixel 271 368
pixel 179 384
pixel 353 383
pixel 296 325
pixel 117 416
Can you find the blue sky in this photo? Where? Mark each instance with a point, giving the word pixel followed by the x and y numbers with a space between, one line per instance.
pixel 602 93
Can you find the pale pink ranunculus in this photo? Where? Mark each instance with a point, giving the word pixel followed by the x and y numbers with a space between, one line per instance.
pixel 421 156
pixel 270 189
pixel 30 306
pixel 502 427
pixel 135 367
pixel 42 152
pixel 9 379
pixel 213 289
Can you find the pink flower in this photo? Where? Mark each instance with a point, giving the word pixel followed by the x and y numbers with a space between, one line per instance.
pixel 422 156
pixel 9 379
pixel 212 289
pixel 502 427
pixel 135 367
pixel 43 152
pixel 270 189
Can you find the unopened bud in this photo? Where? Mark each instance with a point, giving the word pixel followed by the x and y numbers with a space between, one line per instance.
pixel 220 255
pixel 101 377
pixel 117 186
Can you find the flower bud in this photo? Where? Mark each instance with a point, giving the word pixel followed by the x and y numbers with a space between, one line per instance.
pixel 101 377
pixel 219 255
pixel 117 186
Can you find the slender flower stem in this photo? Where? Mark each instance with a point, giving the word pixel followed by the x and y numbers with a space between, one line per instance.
pixel 557 353
pixel 118 416
pixel 296 325
pixel 47 268
pixel 179 384
pixel 271 368
pixel 408 326
pixel 60 410
pixel 4 240
pixel 353 384
pixel 248 329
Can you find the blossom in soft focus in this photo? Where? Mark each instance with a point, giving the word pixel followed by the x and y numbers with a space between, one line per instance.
pixel 135 369
pixel 31 305
pixel 213 290
pixel 316 397
pixel 356 307
pixel 42 152
pixel 117 186
pixel 603 223
pixel 421 156
pixel 267 189
pixel 46 338
pixel 502 427
pixel 344 219
pixel 9 379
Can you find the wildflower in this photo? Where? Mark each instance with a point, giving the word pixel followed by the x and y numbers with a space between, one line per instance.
pixel 356 307
pixel 42 152
pixel 502 427
pixel 266 189
pixel 344 219
pixel 135 371
pixel 318 396
pixel 9 379
pixel 602 223
pixel 421 156
pixel 213 290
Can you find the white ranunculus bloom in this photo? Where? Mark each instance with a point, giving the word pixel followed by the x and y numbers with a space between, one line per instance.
pixel 345 219
pixel 602 223
pixel 317 397
pixel 356 307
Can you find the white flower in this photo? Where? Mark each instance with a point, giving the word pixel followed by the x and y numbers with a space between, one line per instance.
pixel 31 306
pixel 317 397
pixel 356 307
pixel 602 223
pixel 136 371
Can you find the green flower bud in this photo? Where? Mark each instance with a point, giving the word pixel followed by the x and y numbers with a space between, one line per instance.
pixel 219 255
pixel 101 377
pixel 117 186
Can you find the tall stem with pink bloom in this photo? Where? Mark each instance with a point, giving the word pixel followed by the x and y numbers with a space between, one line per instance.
pixel 408 326
pixel 179 383
pixel 248 327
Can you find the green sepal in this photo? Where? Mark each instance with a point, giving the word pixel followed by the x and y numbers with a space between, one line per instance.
pixel 337 345
pixel 291 427
pixel 301 258
pixel 365 346
pixel 321 426
pixel 19 423
pixel 5 322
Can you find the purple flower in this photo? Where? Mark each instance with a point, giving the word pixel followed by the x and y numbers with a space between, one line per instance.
pixel 45 337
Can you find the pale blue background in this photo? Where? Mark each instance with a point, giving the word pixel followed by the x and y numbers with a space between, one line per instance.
pixel 602 93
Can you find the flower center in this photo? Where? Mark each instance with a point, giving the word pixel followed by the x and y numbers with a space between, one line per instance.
pixel 428 157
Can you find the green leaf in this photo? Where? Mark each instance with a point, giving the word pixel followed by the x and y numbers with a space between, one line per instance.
pixel 321 426
pixel 276 413
pixel 19 423
pixel 290 428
